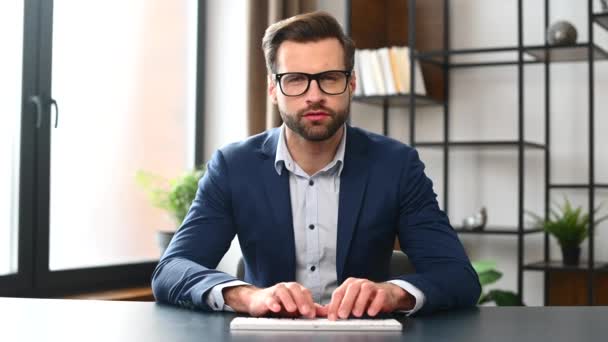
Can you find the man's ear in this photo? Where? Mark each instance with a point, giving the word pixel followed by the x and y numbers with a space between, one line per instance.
pixel 272 90
pixel 352 83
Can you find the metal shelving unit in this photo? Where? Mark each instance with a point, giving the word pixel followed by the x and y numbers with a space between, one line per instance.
pixel 520 56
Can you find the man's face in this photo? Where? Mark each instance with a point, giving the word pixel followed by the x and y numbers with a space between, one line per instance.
pixel 314 115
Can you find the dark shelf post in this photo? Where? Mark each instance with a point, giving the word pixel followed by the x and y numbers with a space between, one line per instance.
pixel 446 105
pixel 348 31
pixel 591 257
pixel 547 155
pixel 520 148
pixel 199 129
pixel 412 46
pixel 385 116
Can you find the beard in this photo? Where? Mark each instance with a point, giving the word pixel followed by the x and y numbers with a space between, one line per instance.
pixel 315 130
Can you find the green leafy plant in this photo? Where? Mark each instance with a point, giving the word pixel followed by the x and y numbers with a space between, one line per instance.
pixel 488 274
pixel 569 225
pixel 172 195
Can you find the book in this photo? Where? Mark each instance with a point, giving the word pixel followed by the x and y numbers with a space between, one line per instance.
pixel 377 72
pixel 357 69
pixel 386 71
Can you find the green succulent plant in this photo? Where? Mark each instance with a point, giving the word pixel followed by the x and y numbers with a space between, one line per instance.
pixel 569 225
pixel 488 274
pixel 172 195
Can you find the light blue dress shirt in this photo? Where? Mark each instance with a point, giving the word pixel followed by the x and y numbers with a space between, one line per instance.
pixel 314 207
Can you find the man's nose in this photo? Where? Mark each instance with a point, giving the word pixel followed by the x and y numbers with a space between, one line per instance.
pixel 314 93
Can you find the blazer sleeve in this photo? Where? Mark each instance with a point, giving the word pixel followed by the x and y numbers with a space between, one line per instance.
pixel 186 272
pixel 443 271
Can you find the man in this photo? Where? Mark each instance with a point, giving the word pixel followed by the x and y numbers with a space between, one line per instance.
pixel 316 205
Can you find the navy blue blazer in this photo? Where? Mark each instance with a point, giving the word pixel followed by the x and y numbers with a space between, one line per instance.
pixel 383 193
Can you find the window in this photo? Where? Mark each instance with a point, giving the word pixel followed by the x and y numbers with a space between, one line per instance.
pixel 92 92
pixel 126 99
pixel 11 40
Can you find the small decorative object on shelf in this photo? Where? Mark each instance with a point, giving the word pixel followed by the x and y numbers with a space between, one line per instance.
pixel 570 226
pixel 561 33
pixel 477 221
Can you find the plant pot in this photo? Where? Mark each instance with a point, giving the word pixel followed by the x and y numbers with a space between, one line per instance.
pixel 571 255
pixel 163 237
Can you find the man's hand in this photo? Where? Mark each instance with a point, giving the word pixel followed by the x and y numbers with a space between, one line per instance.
pixel 358 296
pixel 283 299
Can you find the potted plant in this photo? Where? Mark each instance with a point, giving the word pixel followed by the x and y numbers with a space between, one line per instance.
pixel 172 195
pixel 487 273
pixel 570 226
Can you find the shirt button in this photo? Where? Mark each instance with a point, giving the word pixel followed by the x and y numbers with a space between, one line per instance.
pixel 311 227
pixel 312 268
pixel 311 182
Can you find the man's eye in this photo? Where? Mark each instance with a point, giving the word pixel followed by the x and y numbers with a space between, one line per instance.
pixel 331 77
pixel 294 78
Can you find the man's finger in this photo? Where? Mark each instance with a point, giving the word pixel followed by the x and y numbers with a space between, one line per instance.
pixel 303 301
pixel 336 300
pixel 309 301
pixel 321 310
pixel 377 303
pixel 284 296
pixel 272 304
pixel 363 299
pixel 345 308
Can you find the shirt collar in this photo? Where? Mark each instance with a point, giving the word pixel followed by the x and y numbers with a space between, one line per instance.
pixel 283 157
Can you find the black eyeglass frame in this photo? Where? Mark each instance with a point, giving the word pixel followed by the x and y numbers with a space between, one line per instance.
pixel 312 77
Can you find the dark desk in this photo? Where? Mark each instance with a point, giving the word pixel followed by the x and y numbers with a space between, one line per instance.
pixel 82 320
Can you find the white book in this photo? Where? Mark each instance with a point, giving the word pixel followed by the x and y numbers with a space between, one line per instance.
pixel 387 72
pixel 377 72
pixel 357 70
pixel 420 87
pixel 367 78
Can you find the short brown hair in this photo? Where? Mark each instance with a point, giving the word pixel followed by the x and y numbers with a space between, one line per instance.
pixel 308 27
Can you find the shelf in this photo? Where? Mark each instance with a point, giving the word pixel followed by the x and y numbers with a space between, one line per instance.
pixel 497 231
pixel 508 56
pixel 566 53
pixel 532 54
pixel 481 144
pixel 397 100
pixel 601 19
pixel 577 186
pixel 424 55
pixel 557 265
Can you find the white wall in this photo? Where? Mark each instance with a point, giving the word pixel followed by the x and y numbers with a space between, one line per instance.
pixel 483 106
pixel 225 83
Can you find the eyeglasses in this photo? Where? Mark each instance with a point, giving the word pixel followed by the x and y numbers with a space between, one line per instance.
pixel 332 82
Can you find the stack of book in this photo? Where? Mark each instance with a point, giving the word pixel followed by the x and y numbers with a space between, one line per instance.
pixel 386 71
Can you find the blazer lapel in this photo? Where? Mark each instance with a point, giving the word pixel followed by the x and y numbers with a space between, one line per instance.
pixel 276 189
pixel 353 182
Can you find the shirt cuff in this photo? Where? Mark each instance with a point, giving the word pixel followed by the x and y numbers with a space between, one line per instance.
pixel 215 299
pixel 414 291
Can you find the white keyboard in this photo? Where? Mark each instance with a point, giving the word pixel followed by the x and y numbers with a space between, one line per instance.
pixel 317 324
